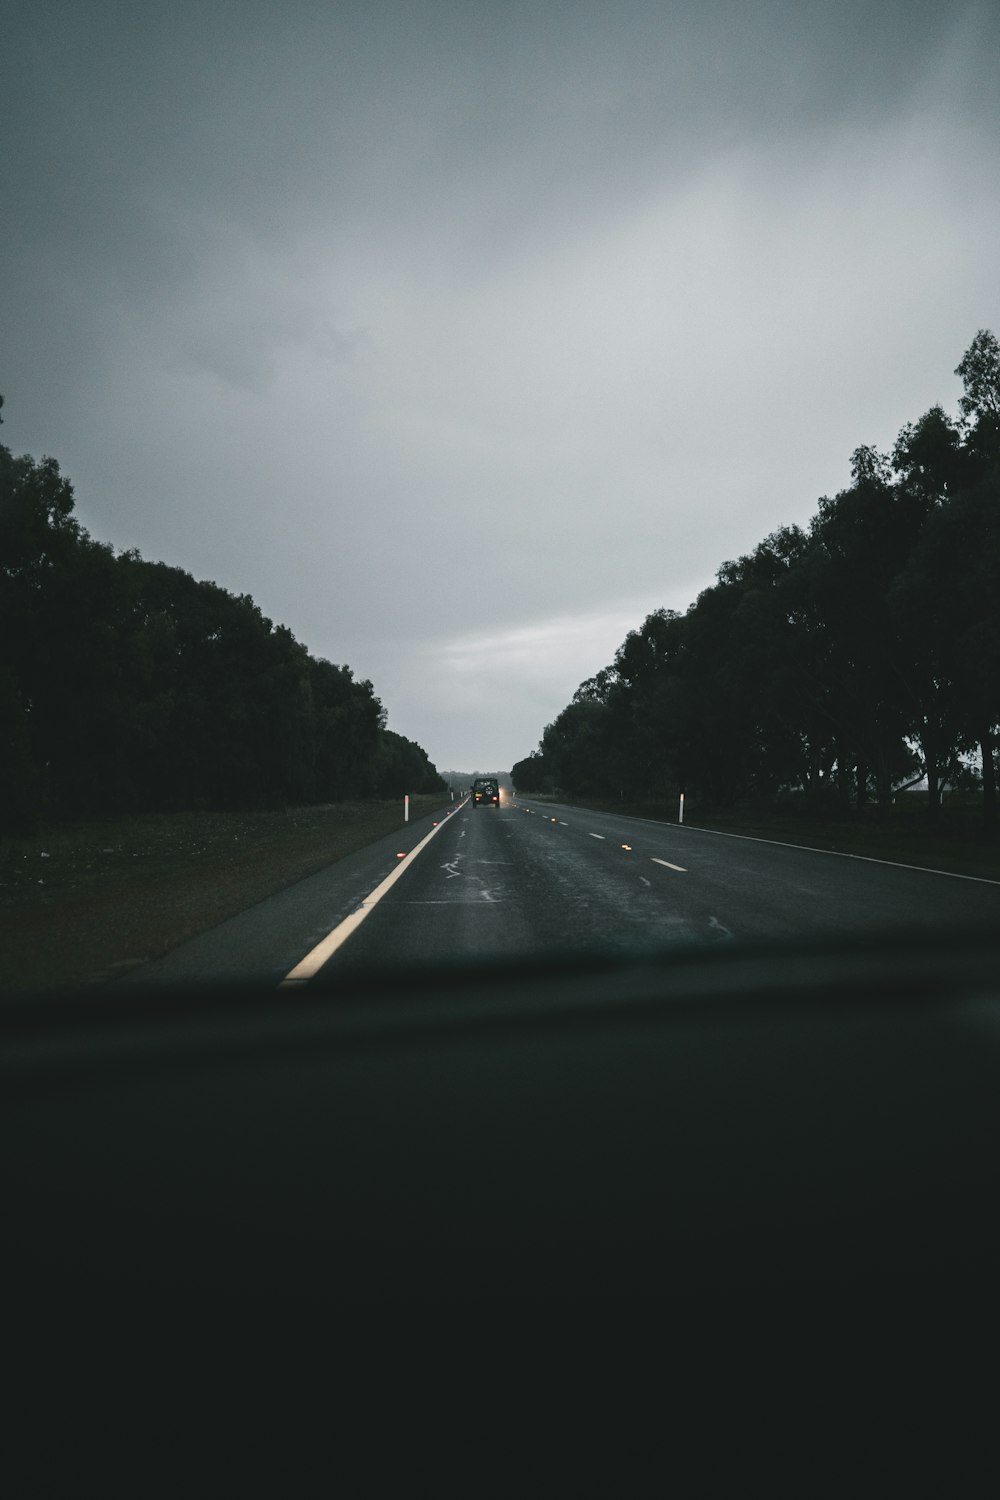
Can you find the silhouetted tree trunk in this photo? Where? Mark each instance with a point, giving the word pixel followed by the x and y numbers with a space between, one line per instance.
pixel 933 792
pixel 986 742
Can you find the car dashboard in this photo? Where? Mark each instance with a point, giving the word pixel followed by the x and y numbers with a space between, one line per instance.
pixel 810 1122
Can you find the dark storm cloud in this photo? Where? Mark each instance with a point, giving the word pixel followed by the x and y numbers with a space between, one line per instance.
pixel 146 128
pixel 295 292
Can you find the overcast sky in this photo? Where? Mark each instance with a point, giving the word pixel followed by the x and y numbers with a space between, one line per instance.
pixel 463 335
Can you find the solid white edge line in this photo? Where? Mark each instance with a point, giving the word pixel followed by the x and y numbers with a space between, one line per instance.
pixel 337 936
pixel 681 868
pixel 869 859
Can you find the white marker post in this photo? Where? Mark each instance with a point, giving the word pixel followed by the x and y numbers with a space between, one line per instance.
pixel 680 810
pixel 406 807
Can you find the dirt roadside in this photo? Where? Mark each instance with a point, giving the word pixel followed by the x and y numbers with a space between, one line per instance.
pixel 83 903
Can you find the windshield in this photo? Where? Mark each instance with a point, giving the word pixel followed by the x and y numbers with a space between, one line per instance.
pixel 698 314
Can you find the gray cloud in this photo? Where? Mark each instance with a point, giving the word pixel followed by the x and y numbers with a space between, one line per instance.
pixel 307 298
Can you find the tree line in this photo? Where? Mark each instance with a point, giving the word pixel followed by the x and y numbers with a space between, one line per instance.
pixel 835 662
pixel 130 686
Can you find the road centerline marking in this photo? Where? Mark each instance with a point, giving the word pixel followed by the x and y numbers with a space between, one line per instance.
pixel 679 868
pixel 597 835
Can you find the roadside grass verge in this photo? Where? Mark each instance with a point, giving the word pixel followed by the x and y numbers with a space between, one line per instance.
pixel 81 903
pixel 958 845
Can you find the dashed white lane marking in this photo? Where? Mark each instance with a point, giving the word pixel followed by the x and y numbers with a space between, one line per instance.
pixel 324 950
pixel 562 824
pixel 597 835
pixel 476 901
pixel 679 868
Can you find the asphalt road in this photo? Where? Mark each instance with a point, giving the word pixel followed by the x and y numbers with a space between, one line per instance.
pixel 539 879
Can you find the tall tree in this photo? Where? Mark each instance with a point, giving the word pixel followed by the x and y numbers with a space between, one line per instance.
pixel 978 515
pixel 923 599
pixel 129 685
pixel 861 541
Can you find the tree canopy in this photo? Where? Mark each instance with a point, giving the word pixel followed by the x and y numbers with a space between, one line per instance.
pixel 128 685
pixel 838 661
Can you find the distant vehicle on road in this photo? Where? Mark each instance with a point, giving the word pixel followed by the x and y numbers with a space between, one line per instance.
pixel 485 789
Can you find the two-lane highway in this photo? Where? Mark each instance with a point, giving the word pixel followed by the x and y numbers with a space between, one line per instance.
pixel 534 879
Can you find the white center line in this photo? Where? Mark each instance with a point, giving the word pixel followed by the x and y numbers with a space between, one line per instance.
pixel 669 866
pixel 597 835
